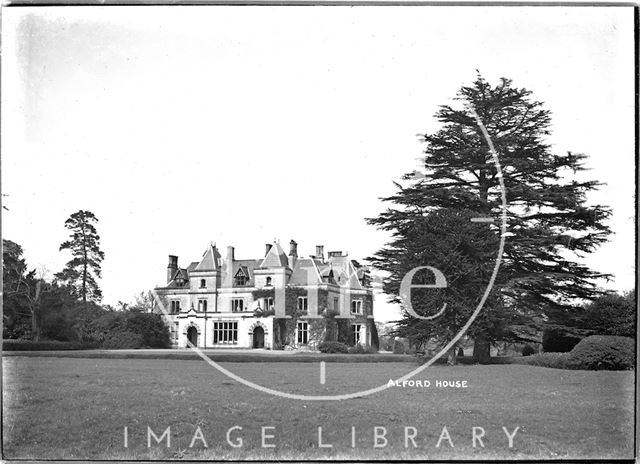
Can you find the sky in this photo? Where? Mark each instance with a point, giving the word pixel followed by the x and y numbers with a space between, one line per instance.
pixel 181 126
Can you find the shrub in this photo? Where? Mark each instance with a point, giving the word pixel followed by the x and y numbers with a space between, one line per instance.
pixel 554 360
pixel 603 352
pixel 43 345
pixel 558 341
pixel 150 327
pixel 123 340
pixel 333 347
pixel 528 350
pixel 359 349
pixel 398 347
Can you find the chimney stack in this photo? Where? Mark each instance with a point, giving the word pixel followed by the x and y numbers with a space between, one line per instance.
pixel 293 253
pixel 230 253
pixel 267 248
pixel 172 267
pixel 320 252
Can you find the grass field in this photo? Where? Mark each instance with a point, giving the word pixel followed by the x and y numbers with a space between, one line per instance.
pixel 63 408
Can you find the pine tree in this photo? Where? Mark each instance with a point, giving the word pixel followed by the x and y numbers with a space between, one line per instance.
pixel 84 268
pixel 549 220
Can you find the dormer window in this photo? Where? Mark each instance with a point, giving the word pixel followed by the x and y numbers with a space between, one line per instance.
pixel 203 283
pixel 268 284
pixel 179 278
pixel 241 278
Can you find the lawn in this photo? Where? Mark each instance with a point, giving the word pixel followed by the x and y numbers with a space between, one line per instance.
pixel 76 408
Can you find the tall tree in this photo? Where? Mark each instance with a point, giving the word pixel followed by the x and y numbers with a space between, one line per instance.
pixel 84 268
pixel 550 223
pixel 465 252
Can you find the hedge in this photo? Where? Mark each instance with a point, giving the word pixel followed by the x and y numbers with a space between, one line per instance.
pixel 123 341
pixel 597 352
pixel 553 360
pixel 359 349
pixel 44 345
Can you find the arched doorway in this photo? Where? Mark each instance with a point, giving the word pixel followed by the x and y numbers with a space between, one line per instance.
pixel 258 337
pixel 192 335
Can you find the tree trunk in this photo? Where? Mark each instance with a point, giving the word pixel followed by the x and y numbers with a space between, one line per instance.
pixel 481 349
pixel 84 269
pixel 35 332
pixel 35 312
pixel 452 356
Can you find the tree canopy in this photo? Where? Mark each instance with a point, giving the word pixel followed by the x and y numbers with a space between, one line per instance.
pixel 549 220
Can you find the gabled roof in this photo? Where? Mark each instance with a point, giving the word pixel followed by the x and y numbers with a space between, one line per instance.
pixel 242 270
pixel 179 273
pixel 276 257
pixel 210 260
pixel 245 266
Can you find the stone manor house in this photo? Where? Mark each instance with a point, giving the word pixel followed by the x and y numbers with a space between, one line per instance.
pixel 278 301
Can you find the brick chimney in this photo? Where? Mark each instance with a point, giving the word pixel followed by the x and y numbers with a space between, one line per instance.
pixel 172 267
pixel 230 253
pixel 320 252
pixel 293 253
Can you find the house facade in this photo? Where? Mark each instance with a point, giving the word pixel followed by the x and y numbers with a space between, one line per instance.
pixel 278 301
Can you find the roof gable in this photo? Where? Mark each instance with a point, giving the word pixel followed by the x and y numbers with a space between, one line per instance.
pixel 210 260
pixel 275 257
pixel 242 270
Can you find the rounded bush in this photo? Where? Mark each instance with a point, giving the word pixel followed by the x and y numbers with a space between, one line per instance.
pixel 603 352
pixel 333 347
pixel 123 340
pixel 398 347
pixel 528 350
